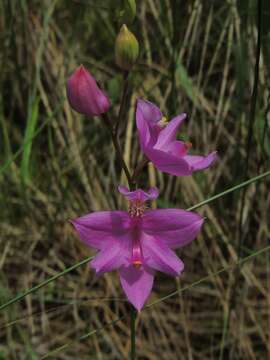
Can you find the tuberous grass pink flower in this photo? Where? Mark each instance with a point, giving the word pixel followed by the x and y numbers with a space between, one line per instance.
pixel 138 242
pixel 84 95
pixel 159 144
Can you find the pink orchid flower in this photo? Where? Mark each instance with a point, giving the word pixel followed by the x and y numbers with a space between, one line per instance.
pixel 159 144
pixel 84 95
pixel 138 242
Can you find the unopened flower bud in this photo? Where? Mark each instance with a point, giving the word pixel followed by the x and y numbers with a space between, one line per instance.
pixel 126 49
pixel 84 95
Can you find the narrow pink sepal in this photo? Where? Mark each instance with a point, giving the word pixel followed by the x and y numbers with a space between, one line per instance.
pixel 139 194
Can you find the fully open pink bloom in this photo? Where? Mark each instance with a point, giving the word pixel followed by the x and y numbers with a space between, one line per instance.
pixel 159 144
pixel 84 95
pixel 138 242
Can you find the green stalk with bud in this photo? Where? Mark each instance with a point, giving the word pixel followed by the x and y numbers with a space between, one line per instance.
pixel 126 49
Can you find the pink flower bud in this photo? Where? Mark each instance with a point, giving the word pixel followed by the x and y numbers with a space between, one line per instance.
pixel 84 95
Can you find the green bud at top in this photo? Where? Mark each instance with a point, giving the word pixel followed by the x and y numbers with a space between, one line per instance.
pixel 129 11
pixel 126 49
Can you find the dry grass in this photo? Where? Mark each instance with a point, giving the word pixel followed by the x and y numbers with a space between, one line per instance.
pixel 196 57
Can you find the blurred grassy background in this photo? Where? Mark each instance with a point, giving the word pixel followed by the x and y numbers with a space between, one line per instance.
pixel 196 57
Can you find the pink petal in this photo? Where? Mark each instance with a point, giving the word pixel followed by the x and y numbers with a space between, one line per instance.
pixel 200 162
pixel 143 131
pixel 150 111
pixel 176 148
pixel 139 194
pixel 98 229
pixel 84 95
pixel 112 257
pixel 175 227
pixel 137 284
pixel 168 134
pixel 147 117
pixel 157 255
pixel 169 163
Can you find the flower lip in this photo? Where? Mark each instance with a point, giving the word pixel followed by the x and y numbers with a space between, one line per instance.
pixel 136 257
pixel 139 194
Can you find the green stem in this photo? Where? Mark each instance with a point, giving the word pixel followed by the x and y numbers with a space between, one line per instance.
pixel 121 158
pixel 139 169
pixel 123 101
pixel 113 128
pixel 118 150
pixel 132 334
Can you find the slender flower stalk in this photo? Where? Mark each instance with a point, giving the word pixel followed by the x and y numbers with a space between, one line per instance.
pixel 114 135
pixel 139 169
pixel 123 100
pixel 132 334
